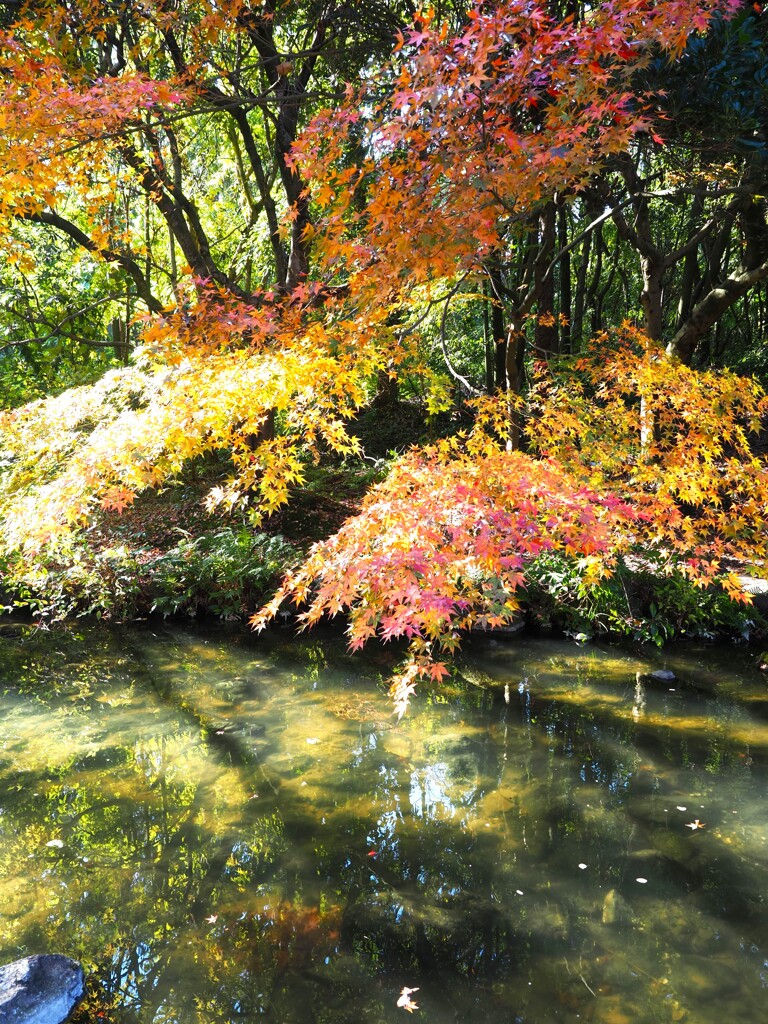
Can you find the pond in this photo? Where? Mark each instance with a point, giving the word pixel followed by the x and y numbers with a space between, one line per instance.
pixel 224 828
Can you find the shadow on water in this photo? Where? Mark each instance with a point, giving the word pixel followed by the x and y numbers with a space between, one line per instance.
pixel 227 830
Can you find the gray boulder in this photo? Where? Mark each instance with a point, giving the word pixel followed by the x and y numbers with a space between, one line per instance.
pixel 40 989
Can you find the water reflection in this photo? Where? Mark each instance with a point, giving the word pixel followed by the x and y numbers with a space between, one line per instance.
pixel 224 830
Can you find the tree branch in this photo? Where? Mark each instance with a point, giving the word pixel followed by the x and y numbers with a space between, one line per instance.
pixel 129 265
pixel 706 312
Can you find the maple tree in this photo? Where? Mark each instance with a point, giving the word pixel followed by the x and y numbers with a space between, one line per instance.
pixel 692 477
pixel 444 543
pixel 412 190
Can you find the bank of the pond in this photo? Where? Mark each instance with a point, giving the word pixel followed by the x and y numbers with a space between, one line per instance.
pixel 229 573
pixel 166 556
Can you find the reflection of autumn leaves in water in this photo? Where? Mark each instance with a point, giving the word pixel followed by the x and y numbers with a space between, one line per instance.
pixel 405 1002
pixel 299 935
pixel 275 942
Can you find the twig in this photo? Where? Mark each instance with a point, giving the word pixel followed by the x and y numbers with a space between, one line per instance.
pixel 587 986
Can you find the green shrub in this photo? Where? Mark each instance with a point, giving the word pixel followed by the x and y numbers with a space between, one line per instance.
pixel 224 574
pixel 105 584
pixel 642 604
pixel 227 574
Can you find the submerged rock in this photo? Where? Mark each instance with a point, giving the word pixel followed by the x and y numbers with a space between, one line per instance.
pixel 663 675
pixel 707 978
pixel 39 989
pixel 659 676
pixel 616 910
pixel 505 632
pixel 547 924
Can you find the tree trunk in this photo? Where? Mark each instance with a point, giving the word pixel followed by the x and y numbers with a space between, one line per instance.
pixel 547 337
pixel 498 330
pixel 652 295
pixel 488 342
pixel 565 277
pixel 514 350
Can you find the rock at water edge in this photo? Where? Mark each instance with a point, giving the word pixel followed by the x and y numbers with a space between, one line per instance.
pixel 39 989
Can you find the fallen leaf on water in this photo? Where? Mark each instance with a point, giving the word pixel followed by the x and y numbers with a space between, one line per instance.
pixel 695 824
pixel 405 1002
pixel 212 919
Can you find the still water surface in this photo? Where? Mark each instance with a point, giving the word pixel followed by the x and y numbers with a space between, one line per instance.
pixel 225 829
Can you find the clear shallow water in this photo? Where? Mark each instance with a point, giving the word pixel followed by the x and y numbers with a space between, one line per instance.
pixel 223 829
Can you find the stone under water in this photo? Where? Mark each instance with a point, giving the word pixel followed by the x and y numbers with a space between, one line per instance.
pixel 39 989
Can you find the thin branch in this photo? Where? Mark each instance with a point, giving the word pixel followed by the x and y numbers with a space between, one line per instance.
pixel 129 265
pixel 671 258
pixel 443 345
pixel 410 328
pixel 55 329
pixel 606 215
pixel 79 339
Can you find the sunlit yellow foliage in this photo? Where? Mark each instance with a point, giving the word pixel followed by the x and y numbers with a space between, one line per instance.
pixel 702 493
pixel 62 457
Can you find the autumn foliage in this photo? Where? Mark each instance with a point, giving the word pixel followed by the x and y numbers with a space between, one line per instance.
pixel 477 129
pixel 204 381
pixel 673 441
pixel 416 181
pixel 443 544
